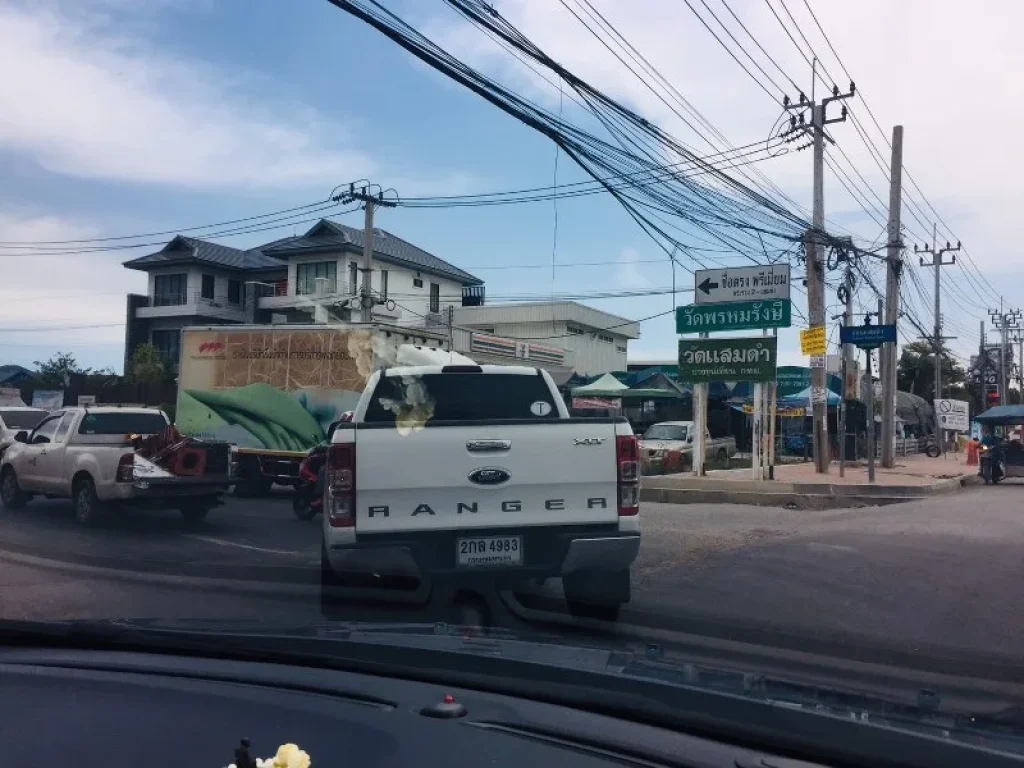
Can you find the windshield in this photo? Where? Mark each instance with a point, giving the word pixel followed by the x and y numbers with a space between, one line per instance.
pixel 666 432
pixel 20 419
pixel 597 324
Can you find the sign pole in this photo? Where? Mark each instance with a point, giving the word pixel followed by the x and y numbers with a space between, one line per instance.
pixel 756 465
pixel 772 411
pixel 700 422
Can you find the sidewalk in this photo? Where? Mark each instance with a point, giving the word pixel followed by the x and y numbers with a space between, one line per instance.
pixel 913 477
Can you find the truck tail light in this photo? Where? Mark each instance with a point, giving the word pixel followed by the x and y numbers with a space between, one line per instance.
pixel 126 468
pixel 340 485
pixel 627 462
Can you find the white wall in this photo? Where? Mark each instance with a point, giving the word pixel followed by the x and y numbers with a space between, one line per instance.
pixel 414 302
pixel 591 355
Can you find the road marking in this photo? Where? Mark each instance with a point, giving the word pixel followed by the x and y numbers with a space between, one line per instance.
pixel 225 543
pixel 833 547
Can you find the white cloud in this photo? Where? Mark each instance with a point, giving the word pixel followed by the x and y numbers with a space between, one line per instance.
pixel 84 100
pixel 628 275
pixel 68 290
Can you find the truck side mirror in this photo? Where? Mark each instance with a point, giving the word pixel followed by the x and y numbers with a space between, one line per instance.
pixel 21 437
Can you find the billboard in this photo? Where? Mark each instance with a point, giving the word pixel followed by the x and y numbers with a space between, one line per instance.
pixel 275 389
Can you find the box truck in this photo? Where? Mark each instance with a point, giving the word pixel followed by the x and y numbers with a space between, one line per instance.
pixel 273 391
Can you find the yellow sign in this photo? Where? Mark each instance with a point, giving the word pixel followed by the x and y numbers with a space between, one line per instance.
pixel 748 409
pixel 812 340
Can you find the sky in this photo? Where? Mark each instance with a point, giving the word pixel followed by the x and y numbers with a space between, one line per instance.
pixel 123 117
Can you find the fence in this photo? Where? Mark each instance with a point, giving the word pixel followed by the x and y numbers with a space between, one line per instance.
pixel 111 390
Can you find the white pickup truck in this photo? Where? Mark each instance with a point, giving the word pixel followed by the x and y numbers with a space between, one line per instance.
pixel 463 472
pixel 87 454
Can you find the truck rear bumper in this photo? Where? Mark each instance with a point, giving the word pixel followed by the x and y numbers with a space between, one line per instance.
pixel 167 488
pixel 422 558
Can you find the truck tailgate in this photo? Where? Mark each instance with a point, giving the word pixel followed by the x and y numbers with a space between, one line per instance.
pixel 486 475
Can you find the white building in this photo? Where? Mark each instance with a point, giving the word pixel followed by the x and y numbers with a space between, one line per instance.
pixel 595 342
pixel 309 278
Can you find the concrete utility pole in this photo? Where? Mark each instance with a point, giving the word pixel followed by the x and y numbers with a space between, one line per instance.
pixel 871 403
pixel 367 301
pixel 814 247
pixel 1004 322
pixel 848 359
pixel 894 264
pixel 937 253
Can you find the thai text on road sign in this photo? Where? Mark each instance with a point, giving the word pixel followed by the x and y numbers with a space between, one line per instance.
pixel 716 286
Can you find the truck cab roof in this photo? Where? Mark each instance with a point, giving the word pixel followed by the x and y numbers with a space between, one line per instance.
pixel 428 370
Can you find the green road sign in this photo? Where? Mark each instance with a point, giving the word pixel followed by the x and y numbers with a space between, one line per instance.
pixel 750 359
pixel 733 316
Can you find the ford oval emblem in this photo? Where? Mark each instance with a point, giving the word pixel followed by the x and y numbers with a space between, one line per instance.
pixel 489 476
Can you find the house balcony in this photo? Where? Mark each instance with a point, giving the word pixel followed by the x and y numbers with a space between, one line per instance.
pixel 184 304
pixel 336 297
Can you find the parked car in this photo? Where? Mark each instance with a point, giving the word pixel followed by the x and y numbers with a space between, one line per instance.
pixel 15 418
pixel 668 447
pixel 459 473
pixel 94 455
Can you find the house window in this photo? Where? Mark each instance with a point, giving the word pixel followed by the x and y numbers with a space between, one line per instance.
pixel 235 291
pixel 168 344
pixel 417 283
pixel 574 330
pixel 169 290
pixel 306 276
pixel 435 297
pixel 207 289
pixel 605 338
pixel 620 348
pixel 384 284
pixel 353 278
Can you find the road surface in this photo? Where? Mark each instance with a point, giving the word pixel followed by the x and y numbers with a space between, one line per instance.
pixel 937 579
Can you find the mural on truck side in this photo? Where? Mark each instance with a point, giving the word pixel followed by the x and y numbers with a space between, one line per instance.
pixel 276 389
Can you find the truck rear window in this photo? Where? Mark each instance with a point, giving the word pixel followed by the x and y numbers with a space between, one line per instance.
pixel 459 397
pixel 121 423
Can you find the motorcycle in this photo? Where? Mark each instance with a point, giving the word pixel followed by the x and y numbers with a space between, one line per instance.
pixel 990 465
pixel 309 490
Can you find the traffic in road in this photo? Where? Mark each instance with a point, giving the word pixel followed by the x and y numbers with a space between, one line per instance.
pixel 933 582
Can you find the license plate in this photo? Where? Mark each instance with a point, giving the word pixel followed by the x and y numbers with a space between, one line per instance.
pixel 489 551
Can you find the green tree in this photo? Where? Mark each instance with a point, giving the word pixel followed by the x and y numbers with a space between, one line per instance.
pixel 58 370
pixel 146 364
pixel 915 371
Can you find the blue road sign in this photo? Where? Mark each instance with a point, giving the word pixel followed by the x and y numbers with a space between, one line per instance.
pixel 867 336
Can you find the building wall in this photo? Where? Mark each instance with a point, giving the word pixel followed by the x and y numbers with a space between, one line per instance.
pixel 415 302
pixel 590 355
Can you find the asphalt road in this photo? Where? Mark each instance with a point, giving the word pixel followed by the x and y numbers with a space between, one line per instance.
pixel 938 580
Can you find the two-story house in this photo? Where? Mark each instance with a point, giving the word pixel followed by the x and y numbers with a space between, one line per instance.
pixel 310 278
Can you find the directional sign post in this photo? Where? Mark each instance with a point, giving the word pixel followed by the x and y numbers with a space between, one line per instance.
pixel 728 284
pixel 733 316
pixel 867 336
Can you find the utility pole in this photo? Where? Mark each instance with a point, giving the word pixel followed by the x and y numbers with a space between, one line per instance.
pixel 814 247
pixel 846 295
pixel 894 265
pixel 367 301
pixel 936 261
pixel 1004 322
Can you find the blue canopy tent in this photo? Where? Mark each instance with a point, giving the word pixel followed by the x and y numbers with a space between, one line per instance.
pixel 802 399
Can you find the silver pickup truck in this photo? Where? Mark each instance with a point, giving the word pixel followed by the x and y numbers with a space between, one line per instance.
pixel 668 447
pixel 89 455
